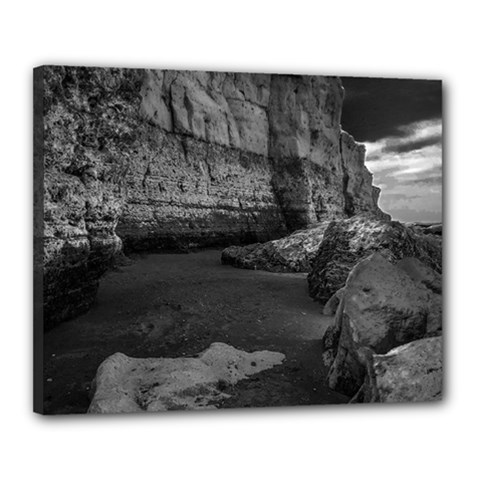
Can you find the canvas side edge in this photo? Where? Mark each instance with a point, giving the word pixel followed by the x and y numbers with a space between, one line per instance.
pixel 38 214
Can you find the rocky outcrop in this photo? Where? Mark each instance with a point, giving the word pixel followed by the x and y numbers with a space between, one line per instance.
pixel 87 121
pixel 125 385
pixel 206 180
pixel 428 228
pixel 409 373
pixel 179 159
pixel 240 158
pixel 382 307
pixel 313 173
pixel 293 253
pixel 346 242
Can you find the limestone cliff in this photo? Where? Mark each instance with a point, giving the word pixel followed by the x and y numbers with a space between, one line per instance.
pixel 180 159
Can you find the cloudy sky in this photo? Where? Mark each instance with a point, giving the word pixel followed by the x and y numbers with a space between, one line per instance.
pixel 400 123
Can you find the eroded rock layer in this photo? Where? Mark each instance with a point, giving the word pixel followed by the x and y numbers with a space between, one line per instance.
pixel 179 159
pixel 88 120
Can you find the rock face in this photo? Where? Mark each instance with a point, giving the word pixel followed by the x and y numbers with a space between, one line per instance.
pixel 382 307
pixel 293 253
pixel 410 373
pixel 346 242
pixel 240 158
pixel 179 159
pixel 126 385
pixel 428 228
pixel 88 119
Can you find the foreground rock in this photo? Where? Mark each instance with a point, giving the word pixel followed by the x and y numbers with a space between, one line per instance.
pixel 125 385
pixel 382 307
pixel 409 373
pixel 239 158
pixel 346 242
pixel 289 254
pixel 81 159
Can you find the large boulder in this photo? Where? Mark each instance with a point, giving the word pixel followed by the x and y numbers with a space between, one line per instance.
pixel 409 373
pixel 125 385
pixel 346 242
pixel 382 307
pixel 235 158
pixel 81 157
pixel 289 254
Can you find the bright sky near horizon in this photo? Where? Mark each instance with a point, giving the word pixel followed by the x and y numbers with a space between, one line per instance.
pixel 400 123
pixel 408 169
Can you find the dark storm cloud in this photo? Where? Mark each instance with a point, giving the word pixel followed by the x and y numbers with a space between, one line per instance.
pixel 376 108
pixel 416 137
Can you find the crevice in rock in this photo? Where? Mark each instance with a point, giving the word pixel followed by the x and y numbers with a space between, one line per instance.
pixel 348 201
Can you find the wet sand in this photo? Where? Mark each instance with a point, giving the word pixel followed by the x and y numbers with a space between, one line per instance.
pixel 172 305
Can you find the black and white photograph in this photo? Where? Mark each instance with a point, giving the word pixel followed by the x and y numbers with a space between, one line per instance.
pixel 239 240
pixel 221 240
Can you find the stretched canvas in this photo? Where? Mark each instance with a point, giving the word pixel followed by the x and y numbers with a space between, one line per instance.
pixel 209 240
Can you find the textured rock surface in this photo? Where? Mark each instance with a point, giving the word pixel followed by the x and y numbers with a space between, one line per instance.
pixel 124 384
pixel 428 228
pixel 87 122
pixel 410 373
pixel 348 241
pixel 333 302
pixel 382 308
pixel 239 158
pixel 421 273
pixel 293 253
pixel 179 159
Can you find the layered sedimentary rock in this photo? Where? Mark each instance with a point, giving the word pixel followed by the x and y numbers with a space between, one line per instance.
pixel 382 307
pixel 242 157
pixel 428 228
pixel 178 159
pixel 346 242
pixel 88 120
pixel 127 385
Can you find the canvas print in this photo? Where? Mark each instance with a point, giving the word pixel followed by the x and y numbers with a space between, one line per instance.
pixel 213 240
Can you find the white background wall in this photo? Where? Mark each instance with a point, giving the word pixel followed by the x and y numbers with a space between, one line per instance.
pixel 408 38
